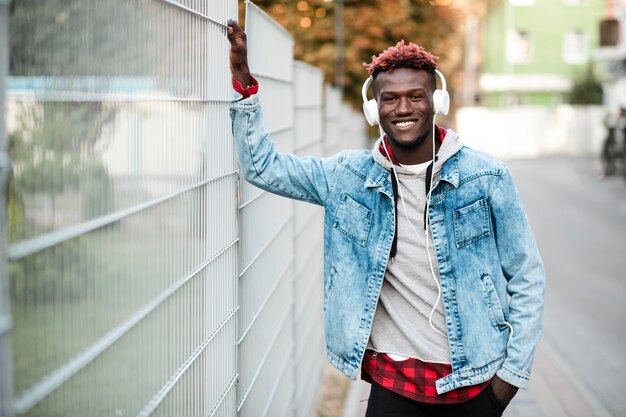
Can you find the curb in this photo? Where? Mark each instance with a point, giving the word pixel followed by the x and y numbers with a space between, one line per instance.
pixel 356 400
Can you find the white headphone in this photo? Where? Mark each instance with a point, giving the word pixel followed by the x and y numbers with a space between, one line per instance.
pixel 441 100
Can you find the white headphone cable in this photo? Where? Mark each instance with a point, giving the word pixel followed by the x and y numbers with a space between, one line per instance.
pixel 426 227
pixel 382 135
pixel 406 215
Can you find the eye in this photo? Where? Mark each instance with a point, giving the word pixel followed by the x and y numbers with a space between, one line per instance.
pixel 416 97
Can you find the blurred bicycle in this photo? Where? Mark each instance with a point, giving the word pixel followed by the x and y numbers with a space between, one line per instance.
pixel 613 156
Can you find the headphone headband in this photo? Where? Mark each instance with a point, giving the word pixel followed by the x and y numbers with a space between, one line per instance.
pixel 442 79
pixel 366 85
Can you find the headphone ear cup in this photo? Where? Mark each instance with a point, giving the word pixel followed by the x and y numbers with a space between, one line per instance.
pixel 441 102
pixel 370 109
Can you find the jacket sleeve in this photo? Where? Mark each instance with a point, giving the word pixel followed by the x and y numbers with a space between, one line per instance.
pixel 302 178
pixel 523 269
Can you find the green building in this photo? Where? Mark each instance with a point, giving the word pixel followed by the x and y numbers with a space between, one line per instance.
pixel 533 49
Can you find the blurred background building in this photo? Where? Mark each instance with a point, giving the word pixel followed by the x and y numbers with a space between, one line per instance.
pixel 525 69
pixel 533 50
pixel 611 55
pixel 536 86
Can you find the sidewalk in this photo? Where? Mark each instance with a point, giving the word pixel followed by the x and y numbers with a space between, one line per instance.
pixel 554 391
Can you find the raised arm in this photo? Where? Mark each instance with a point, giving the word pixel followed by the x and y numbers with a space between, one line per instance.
pixel 303 178
pixel 238 53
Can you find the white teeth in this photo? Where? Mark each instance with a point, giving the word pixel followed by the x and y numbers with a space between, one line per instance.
pixel 402 124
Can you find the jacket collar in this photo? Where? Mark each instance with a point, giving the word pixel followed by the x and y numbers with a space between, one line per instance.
pixel 450 171
pixel 379 177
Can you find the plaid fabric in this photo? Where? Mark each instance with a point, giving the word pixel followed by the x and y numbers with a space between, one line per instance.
pixel 414 379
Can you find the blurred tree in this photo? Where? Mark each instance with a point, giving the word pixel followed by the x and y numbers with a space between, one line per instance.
pixel 70 38
pixel 587 89
pixel 56 45
pixel 46 151
pixel 370 27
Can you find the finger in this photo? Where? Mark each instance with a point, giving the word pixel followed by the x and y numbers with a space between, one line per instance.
pixel 231 29
pixel 233 25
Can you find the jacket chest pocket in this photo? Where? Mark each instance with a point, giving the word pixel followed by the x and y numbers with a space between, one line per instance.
pixel 471 223
pixel 353 220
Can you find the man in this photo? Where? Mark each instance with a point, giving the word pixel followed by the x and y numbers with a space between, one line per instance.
pixel 433 290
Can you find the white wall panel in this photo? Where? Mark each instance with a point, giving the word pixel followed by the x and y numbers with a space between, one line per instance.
pixel 353 129
pixel 332 120
pixel 308 129
pixel 270 46
pixel 308 242
pixel 277 101
pixel 309 80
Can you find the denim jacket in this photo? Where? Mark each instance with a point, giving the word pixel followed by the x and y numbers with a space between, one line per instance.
pixel 491 274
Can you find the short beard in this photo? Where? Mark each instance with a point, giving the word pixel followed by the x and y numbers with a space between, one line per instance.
pixel 414 144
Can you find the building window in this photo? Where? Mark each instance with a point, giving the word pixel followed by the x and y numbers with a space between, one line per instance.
pixel 518 46
pixel 575 47
pixel 522 2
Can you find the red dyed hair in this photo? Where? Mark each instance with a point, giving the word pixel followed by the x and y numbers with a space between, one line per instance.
pixel 402 56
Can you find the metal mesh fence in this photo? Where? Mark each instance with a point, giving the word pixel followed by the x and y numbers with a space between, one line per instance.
pixel 265 283
pixel 6 358
pixel 143 278
pixel 122 217
pixel 308 240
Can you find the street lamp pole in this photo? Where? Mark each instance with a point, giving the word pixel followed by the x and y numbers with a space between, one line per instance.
pixel 339 44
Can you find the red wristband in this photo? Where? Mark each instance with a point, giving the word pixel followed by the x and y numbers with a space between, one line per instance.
pixel 252 89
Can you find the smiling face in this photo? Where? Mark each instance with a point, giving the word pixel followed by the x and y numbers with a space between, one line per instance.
pixel 405 108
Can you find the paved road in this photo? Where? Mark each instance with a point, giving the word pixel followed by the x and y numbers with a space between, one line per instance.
pixel 579 221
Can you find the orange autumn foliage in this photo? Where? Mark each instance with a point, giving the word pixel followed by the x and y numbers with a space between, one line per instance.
pixel 371 26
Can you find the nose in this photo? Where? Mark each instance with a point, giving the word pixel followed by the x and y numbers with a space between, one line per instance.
pixel 404 106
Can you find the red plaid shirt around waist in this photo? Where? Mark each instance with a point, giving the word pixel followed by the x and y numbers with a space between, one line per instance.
pixel 414 379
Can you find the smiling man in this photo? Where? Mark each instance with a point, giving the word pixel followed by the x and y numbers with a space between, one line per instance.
pixel 405 110
pixel 433 284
